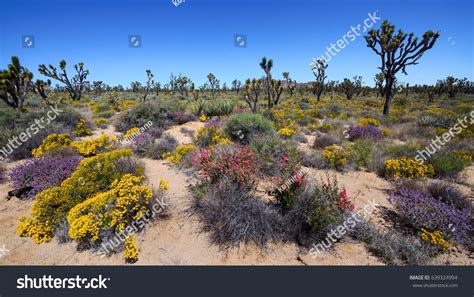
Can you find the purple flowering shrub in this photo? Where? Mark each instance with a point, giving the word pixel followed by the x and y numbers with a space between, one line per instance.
pixel 43 173
pixel 424 211
pixel 364 132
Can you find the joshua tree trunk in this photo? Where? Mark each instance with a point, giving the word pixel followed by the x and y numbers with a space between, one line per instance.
pixel 388 94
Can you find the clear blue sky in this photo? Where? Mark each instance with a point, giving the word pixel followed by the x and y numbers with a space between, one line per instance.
pixel 196 37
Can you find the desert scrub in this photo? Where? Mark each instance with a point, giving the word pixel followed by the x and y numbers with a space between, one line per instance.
pixel 211 135
pixel 359 152
pixel 203 118
pixel 407 167
pixel 126 201
pixel 435 238
pixel 92 147
pixel 392 247
pixel 130 251
pixel 286 132
pixel 179 153
pixel 335 156
pixel 369 121
pixel 93 175
pixel 234 162
pixel 42 173
pixel 51 143
pixel 243 126
pixel 421 210
pixel 82 129
pixel 448 164
pixel 365 132
pixel 101 122
pixel 131 132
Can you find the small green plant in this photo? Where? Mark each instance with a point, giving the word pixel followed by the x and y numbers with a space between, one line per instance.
pixel 241 127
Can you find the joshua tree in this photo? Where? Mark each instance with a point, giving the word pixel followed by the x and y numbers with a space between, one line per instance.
pixel 73 86
pixel 252 91
pixel 397 51
pixel 14 83
pixel 157 86
pixel 379 79
pixel 135 86
pixel 224 88
pixel 290 84
pixel 452 86
pixel 350 88
pixel 43 89
pixel 149 83
pixel 319 71
pixel 98 86
pixel 183 84
pixel 267 67
pixel 236 84
pixel 194 92
pixel 212 84
pixel 430 90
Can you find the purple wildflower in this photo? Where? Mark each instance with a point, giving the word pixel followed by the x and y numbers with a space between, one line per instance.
pixel 368 131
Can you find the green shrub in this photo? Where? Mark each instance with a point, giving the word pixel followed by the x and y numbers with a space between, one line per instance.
pixel 219 107
pixel 241 127
pixel 447 164
pixel 359 152
pixel 141 114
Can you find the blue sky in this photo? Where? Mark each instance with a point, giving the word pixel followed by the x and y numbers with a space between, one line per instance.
pixel 196 37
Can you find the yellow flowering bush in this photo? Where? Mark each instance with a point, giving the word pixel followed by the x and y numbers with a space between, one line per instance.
pixel 211 135
pixel 126 104
pixel 465 155
pixel 131 132
pixel 335 156
pixel 286 132
pixel 164 186
pixel 91 147
pixel 203 118
pixel 126 201
pixel 92 175
pixel 50 143
pixel 82 129
pixel 407 167
pixel 435 238
pixel 100 121
pixel 178 154
pixel 130 251
pixel 369 121
pixel 385 131
pixel 278 113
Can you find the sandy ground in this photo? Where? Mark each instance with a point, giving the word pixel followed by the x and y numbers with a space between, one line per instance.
pixel 176 240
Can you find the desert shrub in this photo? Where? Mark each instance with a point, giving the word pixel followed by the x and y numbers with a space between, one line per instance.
pixel 243 126
pixel 145 145
pixel 424 211
pixel 359 152
pixel 402 150
pixel 125 201
pixel 336 156
pixel 51 143
pixel 105 114
pixel 369 121
pixel 82 129
pixel 324 140
pixel 234 162
pixel 364 132
pixel 219 107
pixel 392 247
pixel 94 146
pixel 286 132
pixel 130 251
pixel 274 156
pixel 448 194
pixel 92 175
pixel 101 122
pixel 211 135
pixel 182 117
pixel 233 216
pixel 320 206
pixel 141 114
pixel 436 239
pixel 313 159
pixel 43 173
pixel 407 167
pixel 447 164
pixel 299 138
pixel 177 155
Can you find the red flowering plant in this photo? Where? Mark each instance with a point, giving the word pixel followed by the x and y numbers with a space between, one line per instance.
pixel 235 162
